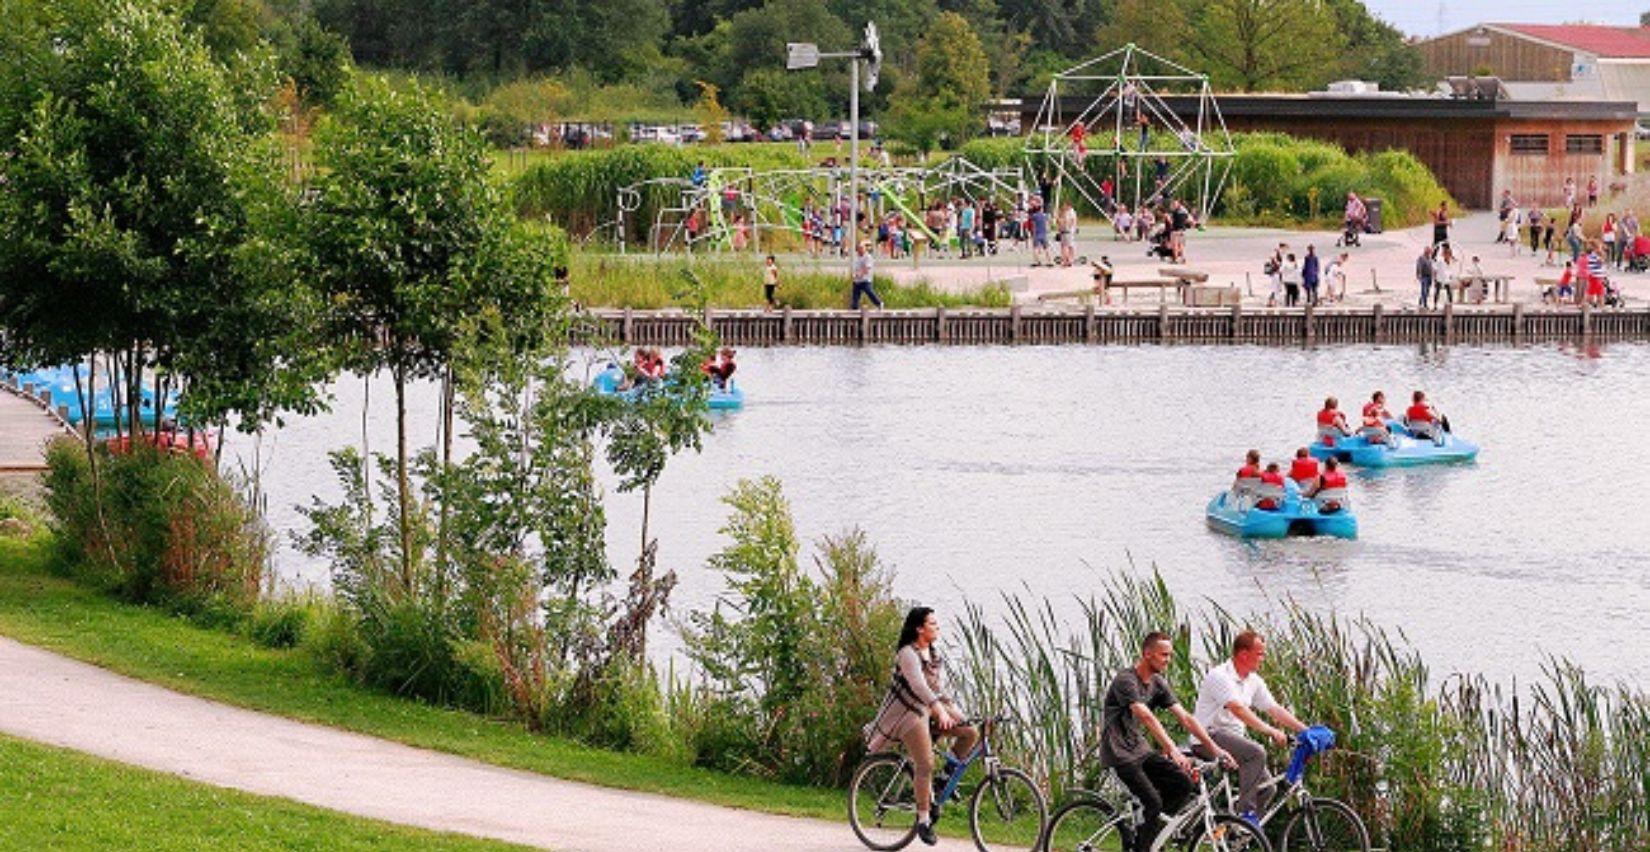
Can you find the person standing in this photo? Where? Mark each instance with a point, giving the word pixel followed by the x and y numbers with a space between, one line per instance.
pixel 1443 276
pixel 1569 192
pixel 1231 696
pixel 1534 222
pixel 1440 224
pixel 863 269
pixel 1180 221
pixel 1503 212
pixel 770 283
pixel 1309 276
pixel 1423 275
pixel 1160 781
pixel 1334 278
pixel 1612 243
pixel 1068 234
pixel 1592 190
pixel 965 228
pixel 1039 237
pixel 1291 281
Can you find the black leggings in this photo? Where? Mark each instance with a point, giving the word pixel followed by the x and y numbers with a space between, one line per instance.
pixel 1161 788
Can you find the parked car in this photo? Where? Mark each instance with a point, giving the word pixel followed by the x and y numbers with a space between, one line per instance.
pixel 1641 130
pixel 780 133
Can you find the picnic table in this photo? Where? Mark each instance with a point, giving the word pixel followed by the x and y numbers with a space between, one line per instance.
pixel 1496 285
pixel 1161 285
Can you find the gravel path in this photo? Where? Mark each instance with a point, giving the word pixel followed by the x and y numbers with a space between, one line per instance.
pixel 52 699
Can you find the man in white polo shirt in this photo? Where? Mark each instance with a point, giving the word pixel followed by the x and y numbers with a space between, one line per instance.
pixel 1231 694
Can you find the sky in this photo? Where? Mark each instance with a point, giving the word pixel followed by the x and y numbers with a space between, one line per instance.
pixel 1423 17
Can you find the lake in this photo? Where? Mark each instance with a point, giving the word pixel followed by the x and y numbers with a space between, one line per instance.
pixel 983 470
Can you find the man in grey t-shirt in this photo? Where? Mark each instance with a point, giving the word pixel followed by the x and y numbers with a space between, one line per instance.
pixel 861 273
pixel 1162 782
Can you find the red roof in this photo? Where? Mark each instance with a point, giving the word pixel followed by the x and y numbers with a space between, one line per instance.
pixel 1605 42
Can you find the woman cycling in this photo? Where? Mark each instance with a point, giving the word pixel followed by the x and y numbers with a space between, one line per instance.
pixel 917 711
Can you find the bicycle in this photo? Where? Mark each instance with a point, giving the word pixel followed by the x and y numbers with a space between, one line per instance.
pixel 1007 807
pixel 1314 823
pixel 1092 821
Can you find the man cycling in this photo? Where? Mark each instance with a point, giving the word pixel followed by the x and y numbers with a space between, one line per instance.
pixel 1162 782
pixel 1226 705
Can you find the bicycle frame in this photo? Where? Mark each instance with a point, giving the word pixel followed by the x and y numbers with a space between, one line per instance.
pixel 981 752
pixel 1202 807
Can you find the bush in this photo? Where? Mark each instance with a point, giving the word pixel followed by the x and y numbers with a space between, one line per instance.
pixel 792 664
pixel 157 528
pixel 607 280
pixel 280 623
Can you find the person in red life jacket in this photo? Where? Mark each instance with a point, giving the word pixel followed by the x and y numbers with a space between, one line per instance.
pixel 1331 480
pixel 727 366
pixel 1375 417
pixel 1332 423
pixel 1304 468
pixel 1251 468
pixel 1271 476
pixel 1421 419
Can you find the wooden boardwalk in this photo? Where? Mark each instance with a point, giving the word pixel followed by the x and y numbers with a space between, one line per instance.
pixel 1515 323
pixel 26 424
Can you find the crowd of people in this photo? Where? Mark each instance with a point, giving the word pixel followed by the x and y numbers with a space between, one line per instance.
pixel 1307 277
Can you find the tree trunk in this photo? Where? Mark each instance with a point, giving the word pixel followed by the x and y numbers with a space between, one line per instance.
pixel 403 488
pixel 446 466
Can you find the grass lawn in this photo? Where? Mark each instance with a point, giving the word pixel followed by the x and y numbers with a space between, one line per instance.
pixel 51 798
pixel 53 613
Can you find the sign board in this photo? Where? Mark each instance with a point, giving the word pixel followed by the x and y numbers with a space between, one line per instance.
pixel 801 55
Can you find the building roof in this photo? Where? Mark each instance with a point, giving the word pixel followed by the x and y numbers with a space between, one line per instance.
pixel 1321 106
pixel 1601 41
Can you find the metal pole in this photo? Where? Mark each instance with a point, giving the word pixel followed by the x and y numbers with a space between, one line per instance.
pixel 853 158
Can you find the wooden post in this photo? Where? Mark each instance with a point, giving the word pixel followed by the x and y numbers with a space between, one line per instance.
pixel 46 398
pixel 63 413
pixel 1163 320
pixel 1586 319
pixel 1449 322
pixel 627 331
pixel 864 325
pixel 1014 324
pixel 1089 330
pixel 1376 313
pixel 1237 320
pixel 1518 321
pixel 785 330
pixel 1309 328
pixel 710 321
pixel 940 334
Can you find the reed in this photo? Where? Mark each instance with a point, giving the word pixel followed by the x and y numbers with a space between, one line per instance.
pixel 1453 763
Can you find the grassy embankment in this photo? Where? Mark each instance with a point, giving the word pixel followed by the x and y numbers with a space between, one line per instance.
pixel 51 798
pixel 58 615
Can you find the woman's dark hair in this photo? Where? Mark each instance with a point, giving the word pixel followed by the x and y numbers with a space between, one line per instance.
pixel 914 621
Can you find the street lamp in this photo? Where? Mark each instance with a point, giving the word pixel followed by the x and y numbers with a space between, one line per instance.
pixel 800 55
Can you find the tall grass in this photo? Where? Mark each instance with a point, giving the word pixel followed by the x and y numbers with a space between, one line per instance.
pixel 608 280
pixel 1560 764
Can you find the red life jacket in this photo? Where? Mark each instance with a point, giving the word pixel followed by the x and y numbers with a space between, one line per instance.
pixel 1271 478
pixel 1372 414
pixel 1248 471
pixel 1304 470
pixel 1328 416
pixel 1420 413
pixel 1333 479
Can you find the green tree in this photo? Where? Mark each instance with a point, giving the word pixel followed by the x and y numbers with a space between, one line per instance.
pixel 1376 50
pixel 1159 26
pixel 315 60
pixel 768 96
pixel 136 171
pixel 946 97
pixel 1253 45
pixel 403 235
pixel 710 112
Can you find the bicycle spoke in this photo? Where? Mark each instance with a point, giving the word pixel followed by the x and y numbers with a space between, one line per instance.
pixel 1085 826
pixel 1007 810
pixel 1325 825
pixel 882 804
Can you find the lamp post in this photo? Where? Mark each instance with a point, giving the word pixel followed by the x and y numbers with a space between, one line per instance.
pixel 800 55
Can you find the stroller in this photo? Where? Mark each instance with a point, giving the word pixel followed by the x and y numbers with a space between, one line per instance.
pixel 1638 254
pixel 1351 233
pixel 1160 246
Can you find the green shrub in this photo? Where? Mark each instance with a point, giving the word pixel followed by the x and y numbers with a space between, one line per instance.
pixel 158 528
pixel 623 708
pixel 618 281
pixel 792 663
pixel 280 623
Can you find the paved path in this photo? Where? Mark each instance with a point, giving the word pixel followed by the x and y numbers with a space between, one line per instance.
pixel 52 699
pixel 24 430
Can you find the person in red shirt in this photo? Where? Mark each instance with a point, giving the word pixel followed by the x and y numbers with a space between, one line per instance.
pixel 1331 479
pixel 1270 476
pixel 1375 417
pixel 1332 422
pixel 1251 466
pixel 1304 468
pixel 1421 419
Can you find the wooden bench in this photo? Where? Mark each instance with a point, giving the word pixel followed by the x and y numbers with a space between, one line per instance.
pixel 1190 276
pixel 1161 285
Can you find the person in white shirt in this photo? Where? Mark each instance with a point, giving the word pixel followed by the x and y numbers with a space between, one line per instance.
pixel 1227 702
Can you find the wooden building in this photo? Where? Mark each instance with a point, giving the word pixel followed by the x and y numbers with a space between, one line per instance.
pixel 1475 146
pixel 1549 61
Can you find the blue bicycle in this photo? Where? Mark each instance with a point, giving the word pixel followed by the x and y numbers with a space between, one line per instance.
pixel 1007 806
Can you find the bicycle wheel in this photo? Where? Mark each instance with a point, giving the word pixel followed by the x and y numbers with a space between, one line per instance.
pixel 882 805
pixel 1087 824
pixel 1229 834
pixel 1325 825
pixel 1007 810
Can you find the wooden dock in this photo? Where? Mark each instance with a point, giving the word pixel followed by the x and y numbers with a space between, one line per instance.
pixel 28 420
pixel 1514 323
